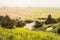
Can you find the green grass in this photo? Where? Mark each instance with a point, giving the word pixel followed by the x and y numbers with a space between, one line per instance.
pixel 25 34
pixel 43 13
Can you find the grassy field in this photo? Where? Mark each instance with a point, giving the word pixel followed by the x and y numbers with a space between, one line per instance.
pixel 33 14
pixel 29 13
pixel 25 34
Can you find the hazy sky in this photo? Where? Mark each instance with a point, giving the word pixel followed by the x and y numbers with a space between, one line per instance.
pixel 30 3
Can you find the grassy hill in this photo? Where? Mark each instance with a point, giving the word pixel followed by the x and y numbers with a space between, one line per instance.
pixel 25 34
pixel 29 13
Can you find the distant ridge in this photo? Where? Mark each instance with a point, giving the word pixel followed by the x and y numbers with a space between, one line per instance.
pixel 15 12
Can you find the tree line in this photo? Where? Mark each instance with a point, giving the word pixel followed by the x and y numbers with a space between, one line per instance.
pixel 7 22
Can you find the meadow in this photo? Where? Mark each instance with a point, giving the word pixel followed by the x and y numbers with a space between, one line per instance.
pixel 25 34
pixel 29 13
pixel 10 32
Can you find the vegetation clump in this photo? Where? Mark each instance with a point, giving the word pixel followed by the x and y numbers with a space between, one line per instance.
pixel 20 23
pixel 6 22
pixel 50 20
pixel 38 24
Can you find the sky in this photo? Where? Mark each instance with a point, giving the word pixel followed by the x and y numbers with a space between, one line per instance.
pixel 30 3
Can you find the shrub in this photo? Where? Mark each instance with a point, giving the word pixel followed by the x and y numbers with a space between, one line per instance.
pixel 20 23
pixel 6 22
pixel 38 24
pixel 50 20
pixel 28 21
pixel 58 30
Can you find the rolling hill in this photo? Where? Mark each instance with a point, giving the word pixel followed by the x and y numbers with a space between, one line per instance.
pixel 29 13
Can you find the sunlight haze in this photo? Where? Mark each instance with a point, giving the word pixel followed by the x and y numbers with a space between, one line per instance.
pixel 30 3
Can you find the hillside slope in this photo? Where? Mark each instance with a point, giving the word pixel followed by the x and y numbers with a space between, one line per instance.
pixel 29 13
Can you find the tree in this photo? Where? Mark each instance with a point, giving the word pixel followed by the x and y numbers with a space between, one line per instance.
pixel 6 22
pixel 50 20
pixel 20 23
pixel 38 24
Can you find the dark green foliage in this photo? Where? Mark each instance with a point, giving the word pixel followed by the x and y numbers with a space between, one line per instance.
pixel 2 18
pixel 28 21
pixel 38 24
pixel 6 22
pixel 58 31
pixel 20 23
pixel 50 20
pixel 42 18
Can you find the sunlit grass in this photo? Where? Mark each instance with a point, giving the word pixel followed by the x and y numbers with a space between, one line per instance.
pixel 25 34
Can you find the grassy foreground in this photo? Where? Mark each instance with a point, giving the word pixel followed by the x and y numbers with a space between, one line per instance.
pixel 25 34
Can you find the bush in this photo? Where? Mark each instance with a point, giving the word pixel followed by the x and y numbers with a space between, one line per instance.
pixel 38 24
pixel 28 21
pixel 20 23
pixel 58 30
pixel 50 20
pixel 6 22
